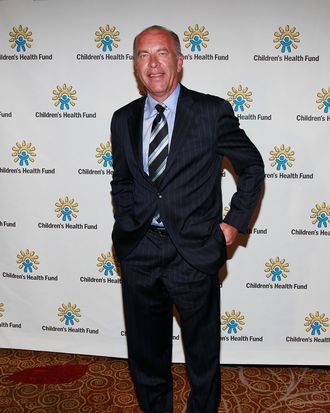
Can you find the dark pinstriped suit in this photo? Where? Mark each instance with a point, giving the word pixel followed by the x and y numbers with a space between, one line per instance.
pixel 190 205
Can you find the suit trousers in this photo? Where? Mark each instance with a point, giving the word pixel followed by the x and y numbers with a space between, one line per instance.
pixel 154 277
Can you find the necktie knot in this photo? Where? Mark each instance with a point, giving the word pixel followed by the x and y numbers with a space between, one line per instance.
pixel 160 108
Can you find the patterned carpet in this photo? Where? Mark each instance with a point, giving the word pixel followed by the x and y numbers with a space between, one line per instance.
pixel 42 382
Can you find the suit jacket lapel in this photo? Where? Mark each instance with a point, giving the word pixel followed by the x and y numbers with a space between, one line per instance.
pixel 183 118
pixel 135 126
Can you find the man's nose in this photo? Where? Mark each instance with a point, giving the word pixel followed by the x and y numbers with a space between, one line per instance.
pixel 153 61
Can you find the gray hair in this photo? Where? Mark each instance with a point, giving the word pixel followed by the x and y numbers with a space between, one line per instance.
pixel 174 36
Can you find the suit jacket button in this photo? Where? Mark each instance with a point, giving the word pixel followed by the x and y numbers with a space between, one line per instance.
pixel 160 196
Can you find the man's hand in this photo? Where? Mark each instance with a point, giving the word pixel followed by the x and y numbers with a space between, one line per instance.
pixel 229 232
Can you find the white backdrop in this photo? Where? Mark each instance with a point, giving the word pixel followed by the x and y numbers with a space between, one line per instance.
pixel 60 290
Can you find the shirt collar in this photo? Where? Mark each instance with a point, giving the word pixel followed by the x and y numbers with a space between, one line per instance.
pixel 170 102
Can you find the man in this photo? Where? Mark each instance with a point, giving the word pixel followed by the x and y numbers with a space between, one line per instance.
pixel 168 148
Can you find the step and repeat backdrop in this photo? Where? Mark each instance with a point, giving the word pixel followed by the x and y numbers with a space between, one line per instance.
pixel 65 67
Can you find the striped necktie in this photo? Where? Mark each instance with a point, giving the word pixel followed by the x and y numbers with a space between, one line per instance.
pixel 158 146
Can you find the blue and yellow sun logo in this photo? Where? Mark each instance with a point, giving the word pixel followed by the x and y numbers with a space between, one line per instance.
pixel 107 38
pixel 286 38
pixel 69 313
pixel 196 37
pixel 316 323
pixel 104 155
pixel 64 96
pixel 232 322
pixel 276 269
pixel 23 153
pixel 20 38
pixel 324 99
pixel 282 157
pixel 2 309
pixel 28 261
pixel 321 215
pixel 108 264
pixel 66 209
pixel 239 98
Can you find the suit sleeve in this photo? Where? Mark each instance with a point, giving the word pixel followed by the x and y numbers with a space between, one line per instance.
pixel 122 180
pixel 248 164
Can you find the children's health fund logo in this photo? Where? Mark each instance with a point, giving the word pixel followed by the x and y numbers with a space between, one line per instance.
pixel 104 155
pixel 321 215
pixel 241 100
pixel 276 271
pixel 320 219
pixel 233 324
pixel 108 268
pixel 21 41
pixel 323 104
pixel 104 159
pixel 24 154
pixel 27 261
pixel 107 264
pixel 107 38
pixel 20 38
pixel 282 159
pixel 196 39
pixel 287 40
pixel 69 314
pixel 108 42
pixel 66 210
pixel 64 98
pixel 316 325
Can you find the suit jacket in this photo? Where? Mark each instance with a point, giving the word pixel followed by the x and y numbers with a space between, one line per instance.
pixel 189 195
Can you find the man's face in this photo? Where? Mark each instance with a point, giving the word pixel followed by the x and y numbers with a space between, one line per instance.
pixel 157 64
